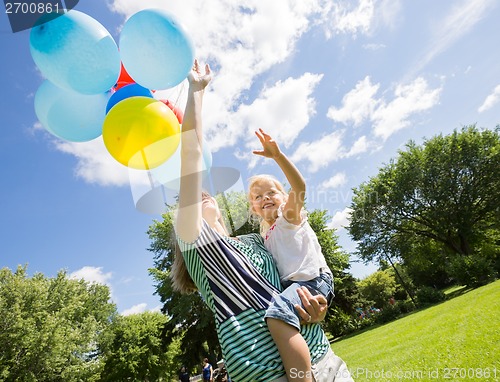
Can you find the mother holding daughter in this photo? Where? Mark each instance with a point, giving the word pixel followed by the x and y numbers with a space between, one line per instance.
pixel 237 277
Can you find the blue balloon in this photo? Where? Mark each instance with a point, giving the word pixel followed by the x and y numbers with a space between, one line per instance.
pixel 127 91
pixel 75 52
pixel 155 49
pixel 70 115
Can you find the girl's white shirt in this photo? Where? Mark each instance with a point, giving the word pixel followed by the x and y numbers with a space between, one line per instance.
pixel 295 249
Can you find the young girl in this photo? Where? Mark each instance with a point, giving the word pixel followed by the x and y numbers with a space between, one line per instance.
pixel 296 250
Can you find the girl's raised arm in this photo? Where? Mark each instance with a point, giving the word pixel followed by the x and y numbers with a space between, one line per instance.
pixel 296 196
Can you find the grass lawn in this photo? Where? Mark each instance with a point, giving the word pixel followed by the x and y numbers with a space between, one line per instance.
pixel 458 340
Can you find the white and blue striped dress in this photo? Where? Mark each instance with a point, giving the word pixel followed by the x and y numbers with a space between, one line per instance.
pixel 237 279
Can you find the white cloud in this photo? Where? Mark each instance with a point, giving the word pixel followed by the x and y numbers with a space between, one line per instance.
pixel 360 146
pixel 361 17
pixel 357 105
pixel 491 100
pixel 337 180
pixel 361 105
pixel 95 164
pixel 92 274
pixel 283 111
pixel 139 308
pixel 322 152
pixel 388 13
pixel 340 219
pixel 95 275
pixel 344 17
pixel 328 149
pixel 409 99
pixel 462 18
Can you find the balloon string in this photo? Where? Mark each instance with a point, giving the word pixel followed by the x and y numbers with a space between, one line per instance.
pixel 151 181
pixel 144 159
pixel 164 194
pixel 182 90
pixel 182 87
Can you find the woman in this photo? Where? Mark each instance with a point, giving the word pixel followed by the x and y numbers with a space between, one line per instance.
pixel 236 277
pixel 208 371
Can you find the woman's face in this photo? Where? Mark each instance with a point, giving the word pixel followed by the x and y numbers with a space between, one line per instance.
pixel 209 208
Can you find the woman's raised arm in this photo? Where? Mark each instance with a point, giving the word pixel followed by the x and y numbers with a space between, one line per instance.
pixel 189 218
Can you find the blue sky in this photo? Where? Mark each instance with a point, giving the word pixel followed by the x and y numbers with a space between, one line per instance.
pixel 342 86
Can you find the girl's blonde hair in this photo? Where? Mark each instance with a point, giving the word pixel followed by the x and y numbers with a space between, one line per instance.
pixel 252 181
pixel 181 280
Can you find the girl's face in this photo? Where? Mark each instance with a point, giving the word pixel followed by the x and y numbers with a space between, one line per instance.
pixel 265 199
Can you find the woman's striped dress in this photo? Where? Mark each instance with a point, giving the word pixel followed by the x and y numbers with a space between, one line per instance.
pixel 237 279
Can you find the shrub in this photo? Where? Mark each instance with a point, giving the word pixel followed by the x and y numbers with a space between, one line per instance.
pixel 473 271
pixel 339 323
pixel 389 313
pixel 429 295
pixel 406 306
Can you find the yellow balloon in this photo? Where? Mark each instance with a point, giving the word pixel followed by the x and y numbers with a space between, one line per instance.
pixel 141 132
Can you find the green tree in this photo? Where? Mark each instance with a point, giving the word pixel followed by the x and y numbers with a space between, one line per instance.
pixel 378 287
pixel 404 284
pixel 446 191
pixel 133 350
pixel 50 327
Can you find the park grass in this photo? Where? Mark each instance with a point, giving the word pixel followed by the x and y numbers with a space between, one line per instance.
pixel 457 340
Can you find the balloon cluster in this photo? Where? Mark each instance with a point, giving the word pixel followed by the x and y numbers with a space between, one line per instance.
pixel 92 88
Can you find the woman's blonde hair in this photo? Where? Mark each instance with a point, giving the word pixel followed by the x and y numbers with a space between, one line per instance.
pixel 252 181
pixel 181 280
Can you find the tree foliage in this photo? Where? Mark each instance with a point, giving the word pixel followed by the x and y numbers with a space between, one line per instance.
pixel 50 327
pixel 133 350
pixel 437 207
pixel 378 287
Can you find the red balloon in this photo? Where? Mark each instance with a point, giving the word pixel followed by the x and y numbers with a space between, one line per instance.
pixel 178 112
pixel 124 79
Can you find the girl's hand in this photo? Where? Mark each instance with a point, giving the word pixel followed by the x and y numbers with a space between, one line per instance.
pixel 197 80
pixel 269 145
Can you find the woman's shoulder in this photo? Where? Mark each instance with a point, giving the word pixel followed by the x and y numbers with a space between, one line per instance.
pixel 206 235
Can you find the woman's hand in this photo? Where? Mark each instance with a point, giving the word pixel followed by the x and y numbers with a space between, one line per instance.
pixel 315 307
pixel 198 80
